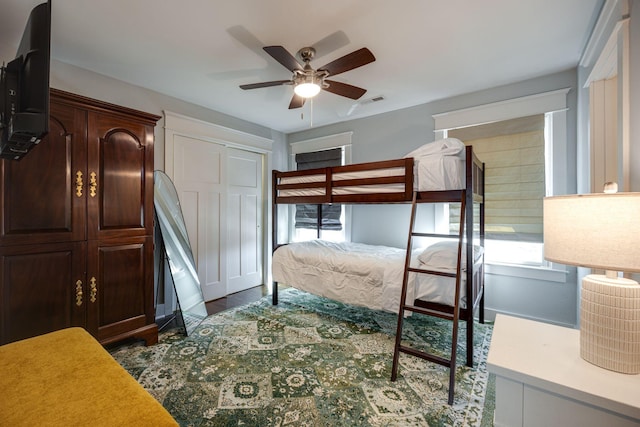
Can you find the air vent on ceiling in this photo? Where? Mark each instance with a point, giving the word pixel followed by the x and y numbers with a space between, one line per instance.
pixel 374 99
pixel 364 102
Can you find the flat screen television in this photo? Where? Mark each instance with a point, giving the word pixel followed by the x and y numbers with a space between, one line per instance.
pixel 24 88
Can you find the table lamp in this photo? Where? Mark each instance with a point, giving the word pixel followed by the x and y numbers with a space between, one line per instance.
pixel 601 231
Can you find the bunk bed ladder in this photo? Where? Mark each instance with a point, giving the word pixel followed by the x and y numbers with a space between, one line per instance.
pixel 454 316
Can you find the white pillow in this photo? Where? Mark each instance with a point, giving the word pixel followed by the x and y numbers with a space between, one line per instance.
pixel 443 147
pixel 440 255
pixel 444 255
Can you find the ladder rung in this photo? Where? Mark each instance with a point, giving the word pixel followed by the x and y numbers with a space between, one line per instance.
pixel 434 272
pixel 444 236
pixel 421 354
pixel 428 312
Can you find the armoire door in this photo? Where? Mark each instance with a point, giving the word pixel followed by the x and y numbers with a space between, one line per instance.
pixel 44 194
pixel 43 288
pixel 120 180
pixel 120 289
pixel 68 212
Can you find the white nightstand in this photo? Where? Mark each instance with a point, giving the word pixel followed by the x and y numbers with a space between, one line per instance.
pixel 542 381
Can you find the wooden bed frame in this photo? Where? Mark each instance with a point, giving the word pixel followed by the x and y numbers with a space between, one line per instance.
pixel 472 194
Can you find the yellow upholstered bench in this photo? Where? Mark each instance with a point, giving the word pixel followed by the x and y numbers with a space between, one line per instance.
pixel 66 378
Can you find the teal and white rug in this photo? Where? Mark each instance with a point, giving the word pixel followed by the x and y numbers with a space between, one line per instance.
pixel 310 361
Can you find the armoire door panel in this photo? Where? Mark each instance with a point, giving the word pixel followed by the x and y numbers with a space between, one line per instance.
pixel 121 165
pixel 121 272
pixel 42 289
pixel 43 195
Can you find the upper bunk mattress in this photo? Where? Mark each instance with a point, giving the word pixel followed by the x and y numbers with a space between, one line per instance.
pixel 432 173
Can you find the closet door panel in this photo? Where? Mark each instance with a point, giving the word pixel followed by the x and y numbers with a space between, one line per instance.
pixel 200 180
pixel 42 289
pixel 244 220
pixel 43 195
pixel 121 170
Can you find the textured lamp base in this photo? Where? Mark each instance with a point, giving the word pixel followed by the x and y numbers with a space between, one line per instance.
pixel 610 323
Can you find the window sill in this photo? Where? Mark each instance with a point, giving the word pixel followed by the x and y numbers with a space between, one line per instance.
pixel 527 272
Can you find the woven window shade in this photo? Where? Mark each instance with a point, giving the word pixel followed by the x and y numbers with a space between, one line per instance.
pixel 513 153
pixel 307 215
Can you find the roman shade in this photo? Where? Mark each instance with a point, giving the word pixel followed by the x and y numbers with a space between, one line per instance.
pixel 513 153
pixel 307 215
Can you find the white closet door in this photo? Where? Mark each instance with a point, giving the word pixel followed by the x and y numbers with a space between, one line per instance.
pixel 200 179
pixel 244 220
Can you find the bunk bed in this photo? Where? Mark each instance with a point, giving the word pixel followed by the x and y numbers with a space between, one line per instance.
pixel 399 280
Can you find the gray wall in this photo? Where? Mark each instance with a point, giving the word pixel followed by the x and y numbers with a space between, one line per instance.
pixel 394 134
pixel 82 82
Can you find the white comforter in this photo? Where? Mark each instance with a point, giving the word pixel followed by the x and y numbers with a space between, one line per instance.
pixel 359 274
pixel 353 273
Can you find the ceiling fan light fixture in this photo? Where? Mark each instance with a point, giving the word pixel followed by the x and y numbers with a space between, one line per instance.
pixel 307 82
pixel 307 90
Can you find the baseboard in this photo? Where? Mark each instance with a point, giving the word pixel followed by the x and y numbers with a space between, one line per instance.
pixel 490 316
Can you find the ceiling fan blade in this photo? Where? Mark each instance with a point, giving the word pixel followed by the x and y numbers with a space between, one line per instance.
pixel 266 84
pixel 283 56
pixel 296 102
pixel 348 62
pixel 330 43
pixel 343 89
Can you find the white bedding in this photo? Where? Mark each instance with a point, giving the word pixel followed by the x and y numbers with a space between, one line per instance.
pixel 438 173
pixel 355 273
pixel 431 173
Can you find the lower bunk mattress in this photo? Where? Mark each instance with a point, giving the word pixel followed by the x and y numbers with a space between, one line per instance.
pixel 367 275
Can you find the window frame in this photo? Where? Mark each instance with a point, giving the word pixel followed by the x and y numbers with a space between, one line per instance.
pixel 339 140
pixel 553 105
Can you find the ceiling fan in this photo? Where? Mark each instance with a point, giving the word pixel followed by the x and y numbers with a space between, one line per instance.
pixel 308 82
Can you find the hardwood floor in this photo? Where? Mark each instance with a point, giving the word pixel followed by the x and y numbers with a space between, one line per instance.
pixel 239 298
pixel 230 301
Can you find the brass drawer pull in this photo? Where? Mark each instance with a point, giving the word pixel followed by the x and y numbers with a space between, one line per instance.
pixel 94 289
pixel 79 184
pixel 93 187
pixel 79 293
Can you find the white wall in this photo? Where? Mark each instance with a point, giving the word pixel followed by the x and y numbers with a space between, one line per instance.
pixel 634 64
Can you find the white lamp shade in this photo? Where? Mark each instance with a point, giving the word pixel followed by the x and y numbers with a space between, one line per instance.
pixel 593 230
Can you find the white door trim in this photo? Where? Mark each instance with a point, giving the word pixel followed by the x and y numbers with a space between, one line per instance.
pixel 177 124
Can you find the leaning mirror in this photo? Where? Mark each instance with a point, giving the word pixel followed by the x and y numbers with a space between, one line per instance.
pixel 177 250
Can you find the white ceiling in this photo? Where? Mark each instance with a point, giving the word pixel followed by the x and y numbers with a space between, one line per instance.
pixel 201 50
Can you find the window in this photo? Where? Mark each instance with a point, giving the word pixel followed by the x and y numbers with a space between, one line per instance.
pixel 309 154
pixel 518 140
pixel 513 153
pixel 319 217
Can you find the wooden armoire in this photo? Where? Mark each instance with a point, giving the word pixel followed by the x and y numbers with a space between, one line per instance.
pixel 76 226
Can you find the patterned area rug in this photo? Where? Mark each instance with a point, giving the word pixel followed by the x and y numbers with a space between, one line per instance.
pixel 309 361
